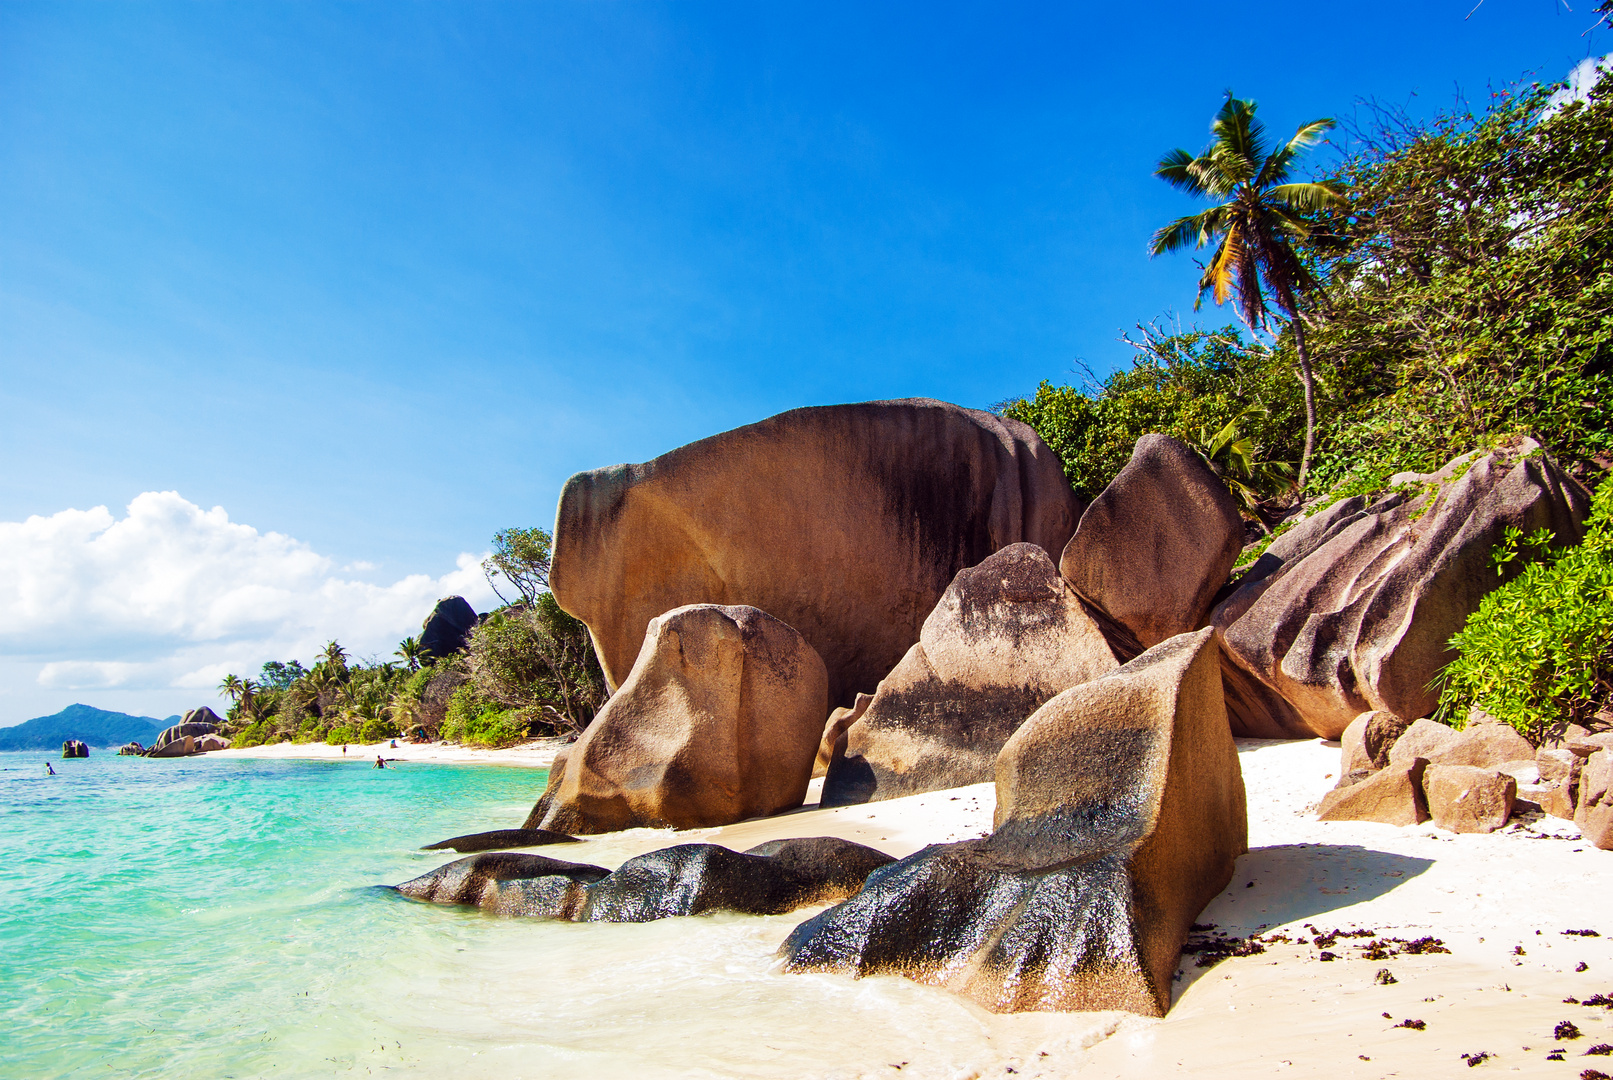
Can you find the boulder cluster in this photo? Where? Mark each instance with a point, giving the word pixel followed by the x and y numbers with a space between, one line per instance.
pixel 908 596
pixel 1404 772
pixel 197 732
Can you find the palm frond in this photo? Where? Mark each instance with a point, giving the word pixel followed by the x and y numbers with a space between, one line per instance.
pixel 1277 166
pixel 1238 132
pixel 1309 198
pixel 1191 231
pixel 1175 168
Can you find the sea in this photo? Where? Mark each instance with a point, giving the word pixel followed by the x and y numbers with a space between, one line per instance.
pixel 227 917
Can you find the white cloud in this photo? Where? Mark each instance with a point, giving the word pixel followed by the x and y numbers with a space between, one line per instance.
pixel 1585 75
pixel 171 595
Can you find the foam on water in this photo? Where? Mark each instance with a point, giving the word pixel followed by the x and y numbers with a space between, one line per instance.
pixel 215 917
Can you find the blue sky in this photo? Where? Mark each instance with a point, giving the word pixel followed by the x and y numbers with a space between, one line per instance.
pixel 378 277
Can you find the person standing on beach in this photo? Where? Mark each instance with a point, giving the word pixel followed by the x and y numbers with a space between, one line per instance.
pixel 344 749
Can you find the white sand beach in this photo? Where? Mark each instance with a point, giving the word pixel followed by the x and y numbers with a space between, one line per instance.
pixel 1286 1011
pixel 535 753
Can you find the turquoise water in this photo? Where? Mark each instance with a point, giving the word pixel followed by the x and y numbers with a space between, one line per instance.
pixel 218 917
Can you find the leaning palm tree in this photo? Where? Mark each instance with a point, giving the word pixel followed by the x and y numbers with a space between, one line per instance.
pixel 1258 217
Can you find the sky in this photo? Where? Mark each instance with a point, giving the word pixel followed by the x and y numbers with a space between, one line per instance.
pixel 301 302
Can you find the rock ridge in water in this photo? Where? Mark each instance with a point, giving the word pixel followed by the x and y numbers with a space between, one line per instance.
pixel 686 879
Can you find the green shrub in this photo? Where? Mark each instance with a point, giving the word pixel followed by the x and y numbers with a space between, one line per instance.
pixel 475 720
pixel 377 729
pixel 1538 653
pixel 252 735
pixel 342 733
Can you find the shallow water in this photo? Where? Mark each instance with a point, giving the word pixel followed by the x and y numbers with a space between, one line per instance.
pixel 212 917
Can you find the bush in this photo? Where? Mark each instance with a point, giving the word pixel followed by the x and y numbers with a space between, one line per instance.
pixel 475 720
pixel 378 729
pixel 253 735
pixel 1538 653
pixel 342 733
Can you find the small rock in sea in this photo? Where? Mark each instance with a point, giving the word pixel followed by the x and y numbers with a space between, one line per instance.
pixel 1566 1030
pixel 1385 977
pixel 1415 1025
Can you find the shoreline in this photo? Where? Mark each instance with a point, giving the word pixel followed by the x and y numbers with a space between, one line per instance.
pixel 532 754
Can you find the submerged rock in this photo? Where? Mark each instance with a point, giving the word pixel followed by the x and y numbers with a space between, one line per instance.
pixel 1006 636
pixel 1120 813
pixel 689 879
pixel 501 838
pixel 847 522
pixel 1353 609
pixel 719 720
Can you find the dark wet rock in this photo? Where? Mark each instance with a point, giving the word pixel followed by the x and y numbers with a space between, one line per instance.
pixel 1155 546
pixel 508 883
pixel 1120 815
pixel 501 838
pixel 691 879
pixel 1353 609
pixel 846 522
pixel 447 629
pixel 719 720
pixel 1007 635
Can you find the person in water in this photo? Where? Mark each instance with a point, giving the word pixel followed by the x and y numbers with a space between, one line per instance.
pixel 379 763
pixel 48 770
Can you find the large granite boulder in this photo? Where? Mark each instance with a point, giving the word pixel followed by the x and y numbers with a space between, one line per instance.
pixel 1153 549
pixel 447 629
pixel 719 720
pixel 1391 796
pixel 689 879
pixel 1353 609
pixel 1007 635
pixel 1120 813
pixel 845 521
pixel 180 739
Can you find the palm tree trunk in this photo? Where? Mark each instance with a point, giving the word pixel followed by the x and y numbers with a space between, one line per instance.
pixel 1309 382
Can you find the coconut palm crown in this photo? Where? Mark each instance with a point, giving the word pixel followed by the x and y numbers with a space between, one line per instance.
pixel 1259 214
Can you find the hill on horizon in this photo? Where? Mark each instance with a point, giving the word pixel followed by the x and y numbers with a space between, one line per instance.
pixel 97 727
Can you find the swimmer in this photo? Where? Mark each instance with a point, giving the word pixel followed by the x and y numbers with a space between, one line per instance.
pixel 48 770
pixel 379 764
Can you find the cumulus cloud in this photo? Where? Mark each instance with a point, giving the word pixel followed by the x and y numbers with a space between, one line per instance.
pixel 1581 80
pixel 172 595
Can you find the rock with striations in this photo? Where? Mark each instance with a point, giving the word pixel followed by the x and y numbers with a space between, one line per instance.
pixel 719 720
pixel 1155 546
pixel 1468 799
pixel 689 879
pixel 1593 812
pixel 1120 813
pixel 1353 609
pixel 180 739
pixel 847 522
pixel 834 732
pixel 1392 796
pixel 446 630
pixel 1007 635
pixel 508 883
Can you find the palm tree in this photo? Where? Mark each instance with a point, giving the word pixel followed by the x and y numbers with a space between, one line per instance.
pixel 247 697
pixel 335 656
pixel 230 687
pixel 1258 217
pixel 409 649
pixel 1235 457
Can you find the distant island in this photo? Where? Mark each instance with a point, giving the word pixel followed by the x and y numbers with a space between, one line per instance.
pixel 98 727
